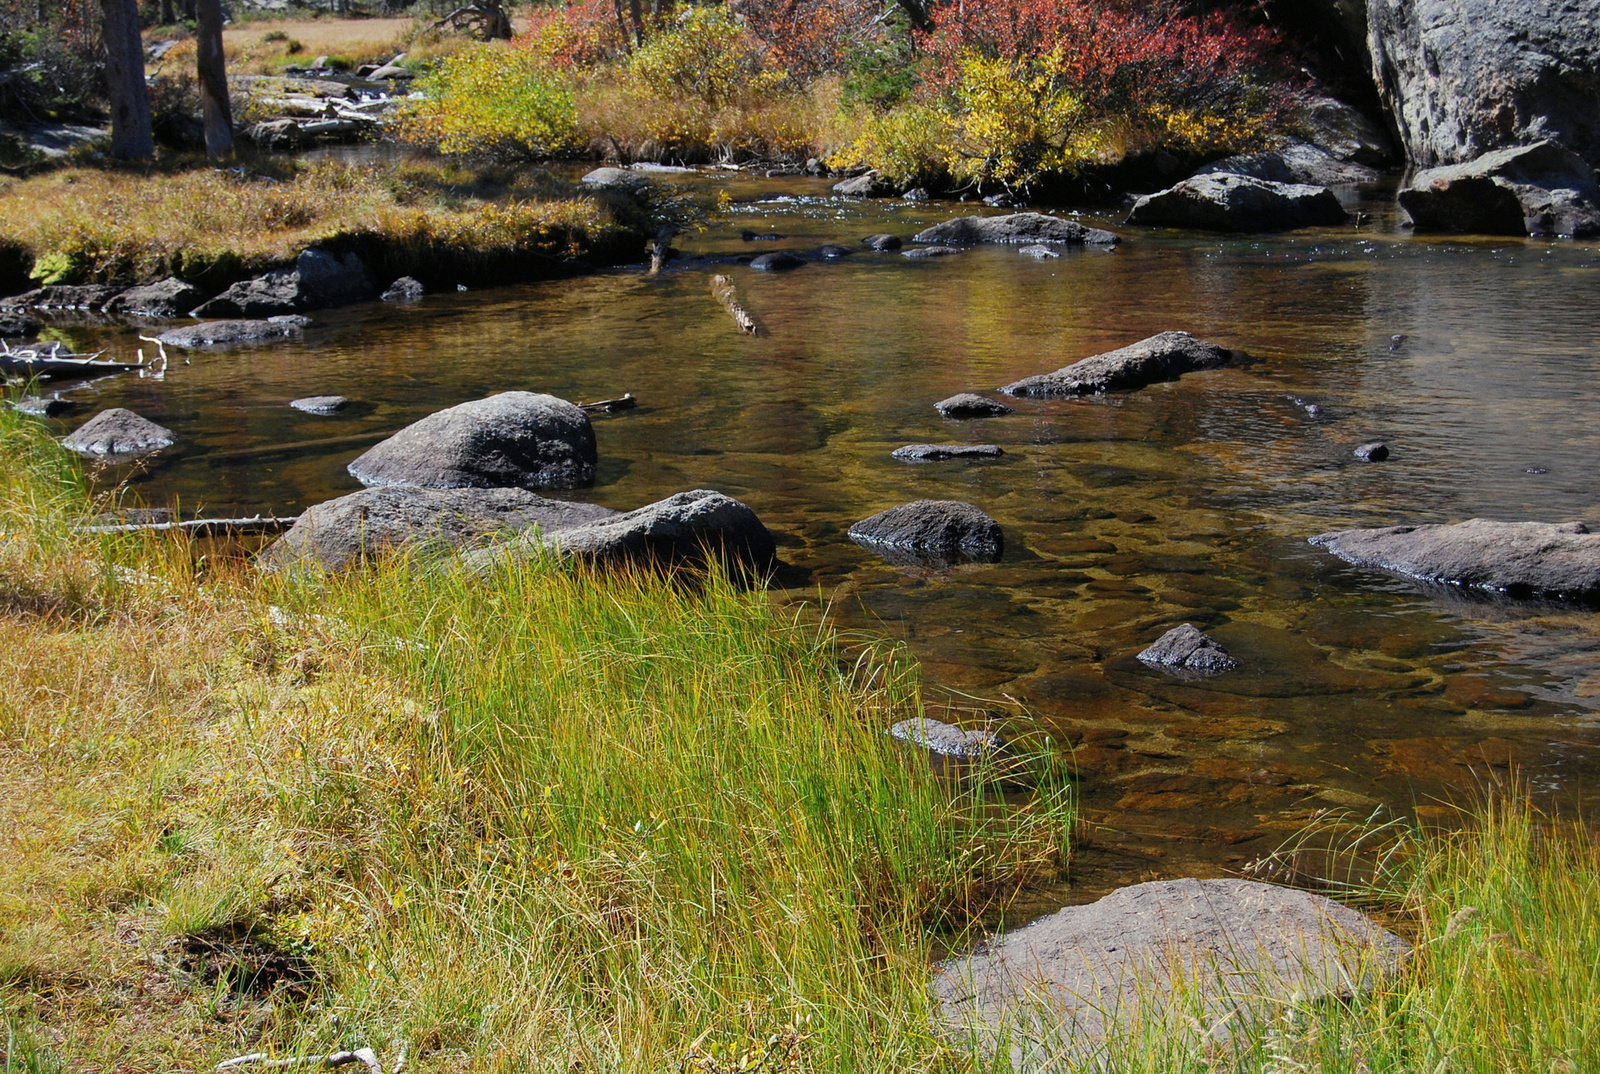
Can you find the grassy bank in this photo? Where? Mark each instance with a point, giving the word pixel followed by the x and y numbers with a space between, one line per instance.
pixel 441 222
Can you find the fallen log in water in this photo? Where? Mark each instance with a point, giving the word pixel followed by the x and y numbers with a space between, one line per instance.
pixel 610 406
pixel 201 527
pixel 722 289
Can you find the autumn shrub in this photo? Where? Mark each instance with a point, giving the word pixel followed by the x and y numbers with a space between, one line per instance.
pixel 496 100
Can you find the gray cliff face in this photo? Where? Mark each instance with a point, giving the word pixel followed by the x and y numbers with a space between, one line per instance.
pixel 1464 77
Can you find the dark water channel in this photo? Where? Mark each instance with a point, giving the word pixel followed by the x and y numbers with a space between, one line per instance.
pixel 1124 516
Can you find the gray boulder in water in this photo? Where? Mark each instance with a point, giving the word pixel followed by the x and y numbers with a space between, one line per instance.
pixel 118 433
pixel 510 440
pixel 936 452
pixel 344 532
pixel 1540 189
pixel 781 261
pixel 617 180
pixel 1185 649
pixel 688 527
pixel 1520 559
pixel 319 280
pixel 936 736
pixel 1166 356
pixel 14 324
pixel 1017 228
pixel 405 289
pixel 937 531
pixel 235 333
pixel 1227 202
pixel 167 299
pixel 971 405
pixel 1296 162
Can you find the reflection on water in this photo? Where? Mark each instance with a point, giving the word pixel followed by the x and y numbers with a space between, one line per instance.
pixel 1124 516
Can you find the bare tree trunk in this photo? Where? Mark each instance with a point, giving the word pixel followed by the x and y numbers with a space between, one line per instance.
pixel 213 71
pixel 637 14
pixel 130 100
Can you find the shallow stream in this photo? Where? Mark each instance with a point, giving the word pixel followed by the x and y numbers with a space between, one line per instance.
pixel 1123 516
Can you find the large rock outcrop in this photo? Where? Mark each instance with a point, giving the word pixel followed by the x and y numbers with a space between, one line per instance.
pixel 1295 162
pixel 1166 356
pixel 318 280
pixel 1229 202
pixel 235 333
pixel 1520 559
pixel 510 440
pixel 1540 189
pixel 1020 228
pixel 165 300
pixel 1462 78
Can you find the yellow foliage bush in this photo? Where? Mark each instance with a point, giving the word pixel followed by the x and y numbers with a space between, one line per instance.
pixel 498 100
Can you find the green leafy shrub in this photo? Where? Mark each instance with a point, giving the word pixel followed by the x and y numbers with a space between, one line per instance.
pixel 496 100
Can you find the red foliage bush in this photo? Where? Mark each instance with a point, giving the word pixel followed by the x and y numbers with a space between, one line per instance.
pixel 807 38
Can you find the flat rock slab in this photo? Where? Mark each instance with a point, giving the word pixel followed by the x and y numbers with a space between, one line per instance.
pixel 344 532
pixel 167 299
pixel 1520 559
pixel 937 531
pixel 971 405
pixel 1229 951
pixel 510 440
pixel 320 404
pixel 1019 228
pixel 118 433
pixel 689 527
pixel 1226 202
pixel 778 262
pixel 1184 649
pixel 234 333
pixel 65 296
pixel 922 253
pixel 935 452
pixel 1539 189
pixel 1297 162
pixel 1161 357
pixel 882 242
pixel 947 740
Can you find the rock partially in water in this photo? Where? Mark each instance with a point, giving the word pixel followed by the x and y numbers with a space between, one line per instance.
pixel 830 251
pixel 931 530
pixel 688 527
pixel 86 297
pixel 170 298
pixel 1152 953
pixel 1225 202
pixel 1040 253
pixel 510 440
pixel 1166 356
pixel 866 185
pixel 930 251
pixel 320 404
pixel 118 433
pixel 343 532
pixel 882 243
pixel 1185 649
pixel 1540 189
pixel 405 289
pixel 1016 228
pixel 1296 162
pixel 1521 559
pixel 916 193
pixel 49 406
pixel 14 324
pixel 781 261
pixel 620 180
pixel 235 333
pixel 319 280
pixel 1376 451
pixel 970 405
pixel 933 452
pixel 936 736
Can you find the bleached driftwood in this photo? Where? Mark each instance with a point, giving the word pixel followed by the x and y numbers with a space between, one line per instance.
pixel 722 289
pixel 365 1056
pixel 199 527
pixel 610 406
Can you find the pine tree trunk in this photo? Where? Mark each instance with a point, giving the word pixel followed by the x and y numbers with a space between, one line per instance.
pixel 130 100
pixel 213 70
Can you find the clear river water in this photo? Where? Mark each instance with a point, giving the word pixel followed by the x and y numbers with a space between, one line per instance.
pixel 1123 515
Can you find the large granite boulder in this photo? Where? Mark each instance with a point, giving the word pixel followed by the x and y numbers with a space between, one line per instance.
pixel 1185 959
pixel 1520 559
pixel 1295 162
pixel 118 433
pixel 1540 189
pixel 167 299
pixel 866 185
pixel 319 280
pixel 343 532
pixel 1462 78
pixel 688 527
pixel 1019 228
pixel 235 333
pixel 1228 202
pixel 935 531
pixel 510 440
pixel 1166 356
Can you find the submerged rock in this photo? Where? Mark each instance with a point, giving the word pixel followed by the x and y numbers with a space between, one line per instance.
pixel 1185 648
pixel 343 532
pixel 776 262
pixel 319 280
pixel 170 298
pixel 882 243
pixel 405 289
pixel 1015 228
pixel 970 405
pixel 1157 953
pixel 931 530
pixel 933 452
pixel 830 251
pixel 1040 253
pixel 1541 189
pixel 946 740
pixel 921 252
pixel 510 440
pixel 118 433
pixel 688 527
pixel 320 404
pixel 1376 451
pixel 1521 559
pixel 1226 202
pixel 234 333
pixel 1166 356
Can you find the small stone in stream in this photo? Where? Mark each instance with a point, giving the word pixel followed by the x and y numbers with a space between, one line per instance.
pixel 320 404
pixel 118 433
pixel 232 333
pixel 778 262
pixel 1162 357
pixel 832 251
pixel 934 452
pixel 1376 451
pixel 1535 470
pixel 882 243
pixel 1397 341
pixel 1039 253
pixel 931 251
pixel 969 405
pixel 405 289
pixel 916 193
pixel 755 236
pixel 48 407
pixel 936 736
pixel 1185 648
pixel 938 531
pixel 621 180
